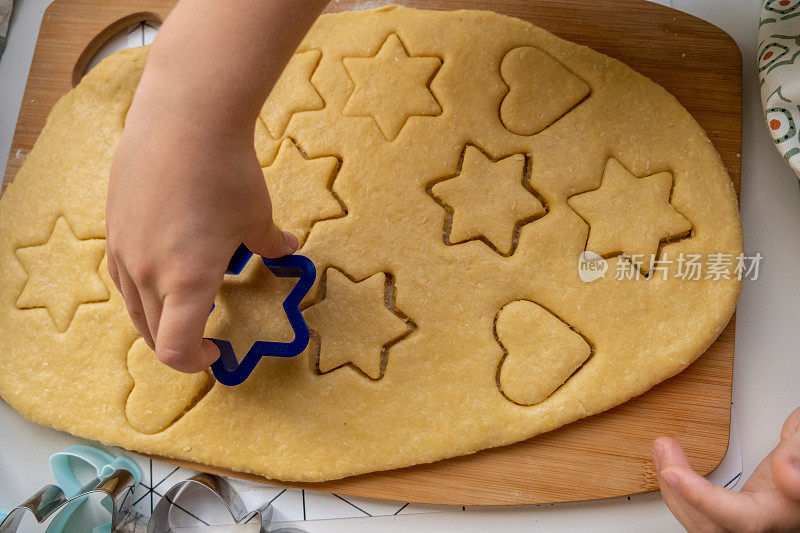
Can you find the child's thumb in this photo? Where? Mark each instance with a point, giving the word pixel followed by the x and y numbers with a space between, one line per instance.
pixel 269 241
pixel 786 458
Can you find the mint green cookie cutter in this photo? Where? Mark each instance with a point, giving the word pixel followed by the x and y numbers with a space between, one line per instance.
pixel 104 464
pixel 114 478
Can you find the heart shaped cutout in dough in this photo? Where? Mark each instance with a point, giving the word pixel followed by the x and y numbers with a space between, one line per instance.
pixel 540 90
pixel 541 352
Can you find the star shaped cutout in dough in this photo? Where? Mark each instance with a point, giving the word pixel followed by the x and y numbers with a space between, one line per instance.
pixel 392 86
pixel 630 215
pixel 292 93
pixel 355 324
pixel 300 188
pixel 62 274
pixel 487 199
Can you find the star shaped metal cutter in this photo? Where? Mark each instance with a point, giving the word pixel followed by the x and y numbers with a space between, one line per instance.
pixel 227 369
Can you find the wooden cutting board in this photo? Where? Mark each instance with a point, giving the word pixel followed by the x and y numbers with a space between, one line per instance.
pixel 603 456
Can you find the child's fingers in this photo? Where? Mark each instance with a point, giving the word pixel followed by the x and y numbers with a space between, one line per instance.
pixel 113 270
pixel 179 343
pixel 668 452
pixel 134 305
pixel 148 300
pixel 273 243
pixel 688 517
pixel 730 511
pixel 152 305
pixel 267 240
pixel 791 428
pixel 786 459
pixel 697 503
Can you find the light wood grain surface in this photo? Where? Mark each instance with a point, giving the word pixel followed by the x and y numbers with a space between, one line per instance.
pixel 602 456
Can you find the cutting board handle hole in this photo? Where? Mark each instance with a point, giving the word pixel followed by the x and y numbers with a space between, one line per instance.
pixel 114 37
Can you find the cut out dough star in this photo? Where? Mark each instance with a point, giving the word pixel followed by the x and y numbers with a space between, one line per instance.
pixel 292 93
pixel 354 325
pixel 630 215
pixel 300 188
pixel 392 86
pixel 62 274
pixel 488 199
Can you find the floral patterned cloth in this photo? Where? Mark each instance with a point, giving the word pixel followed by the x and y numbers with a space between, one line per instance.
pixel 5 15
pixel 779 74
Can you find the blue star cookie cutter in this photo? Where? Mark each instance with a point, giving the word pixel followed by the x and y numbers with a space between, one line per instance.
pixel 227 369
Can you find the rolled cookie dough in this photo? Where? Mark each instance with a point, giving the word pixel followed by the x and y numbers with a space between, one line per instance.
pixel 445 170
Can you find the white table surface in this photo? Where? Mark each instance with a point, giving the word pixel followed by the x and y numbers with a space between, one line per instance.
pixel 767 362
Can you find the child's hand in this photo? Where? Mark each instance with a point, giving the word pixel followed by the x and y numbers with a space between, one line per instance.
pixel 186 187
pixel 769 501
pixel 182 196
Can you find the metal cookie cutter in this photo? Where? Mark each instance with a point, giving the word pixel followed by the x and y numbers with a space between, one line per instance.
pixel 230 372
pixel 116 477
pixel 216 487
